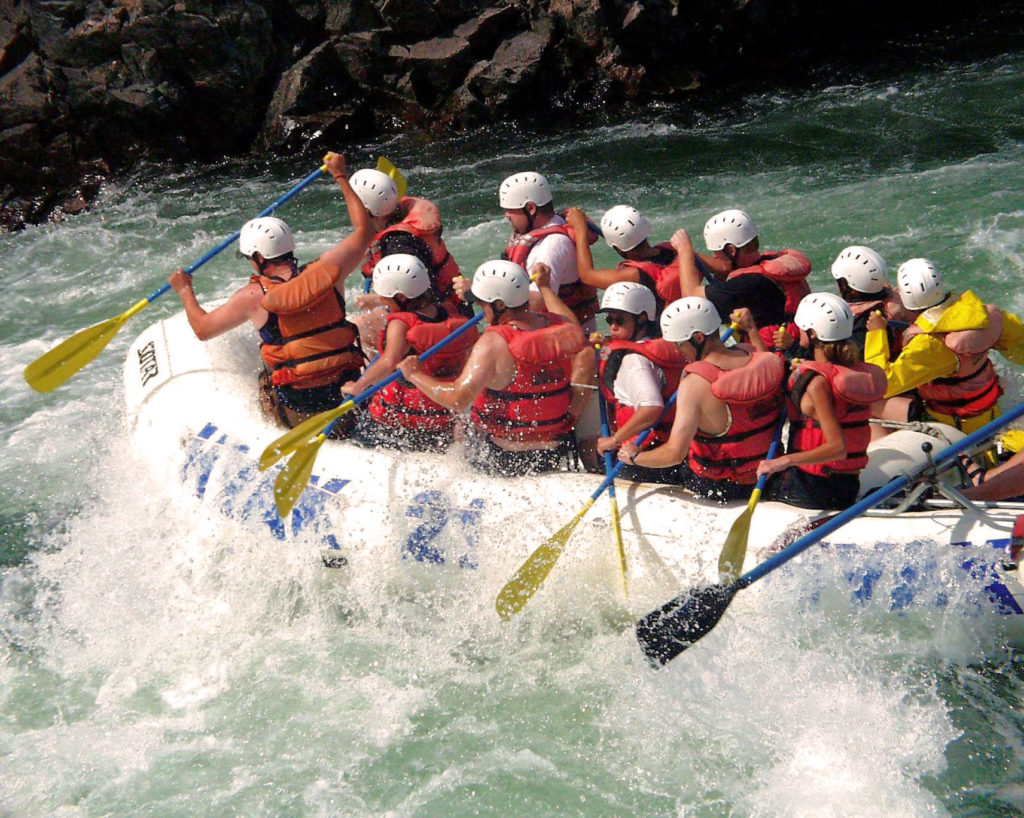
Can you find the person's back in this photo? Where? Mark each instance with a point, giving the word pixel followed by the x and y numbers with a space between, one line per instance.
pixel 308 346
pixel 829 407
pixel 728 404
pixel 516 381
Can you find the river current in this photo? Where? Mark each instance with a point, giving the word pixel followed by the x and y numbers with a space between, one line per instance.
pixel 157 662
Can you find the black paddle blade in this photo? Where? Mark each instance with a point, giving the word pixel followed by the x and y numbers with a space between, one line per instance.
pixel 672 628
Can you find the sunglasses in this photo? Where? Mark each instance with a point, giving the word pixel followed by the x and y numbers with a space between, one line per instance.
pixel 617 318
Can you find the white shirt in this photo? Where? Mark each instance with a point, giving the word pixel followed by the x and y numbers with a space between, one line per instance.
pixel 559 253
pixel 638 382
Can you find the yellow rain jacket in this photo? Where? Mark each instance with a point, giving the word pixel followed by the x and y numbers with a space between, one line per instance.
pixel 926 356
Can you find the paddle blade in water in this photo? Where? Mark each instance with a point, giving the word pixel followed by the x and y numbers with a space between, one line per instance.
pixel 300 435
pixel 50 370
pixel 292 480
pixel 535 570
pixel 730 561
pixel 668 631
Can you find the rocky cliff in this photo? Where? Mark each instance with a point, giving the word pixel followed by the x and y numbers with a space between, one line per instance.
pixel 89 86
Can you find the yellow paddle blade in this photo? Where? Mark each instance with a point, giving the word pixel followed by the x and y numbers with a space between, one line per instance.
pixel 50 370
pixel 730 561
pixel 292 480
pixel 534 571
pixel 301 435
pixel 385 166
pixel 617 529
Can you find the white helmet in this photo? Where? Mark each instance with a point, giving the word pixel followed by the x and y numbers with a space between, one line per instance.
pixel 376 190
pixel 501 279
pixel 521 188
pixel 920 284
pixel 863 269
pixel 400 273
pixel 628 296
pixel 827 314
pixel 733 227
pixel 268 236
pixel 682 318
pixel 624 227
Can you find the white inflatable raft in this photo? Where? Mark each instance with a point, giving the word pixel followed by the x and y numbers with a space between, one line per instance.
pixel 194 417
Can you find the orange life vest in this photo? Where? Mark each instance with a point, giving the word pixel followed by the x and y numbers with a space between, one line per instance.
pixel 579 297
pixel 422 218
pixel 400 404
pixel 307 340
pixel 753 394
pixel 854 389
pixel 535 406
pixel 664 355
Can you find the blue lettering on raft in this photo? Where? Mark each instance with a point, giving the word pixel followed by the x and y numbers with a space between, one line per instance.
pixel 248 494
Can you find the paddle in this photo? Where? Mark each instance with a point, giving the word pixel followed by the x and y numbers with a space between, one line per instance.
pixel 730 561
pixel 307 438
pixel 53 368
pixel 532 573
pixel 385 166
pixel 608 468
pixel 666 632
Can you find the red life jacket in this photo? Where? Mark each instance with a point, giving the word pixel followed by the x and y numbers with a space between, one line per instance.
pixel 854 389
pixel 753 394
pixel 402 405
pixel 423 219
pixel 579 297
pixel 665 277
pixel 787 268
pixel 535 406
pixel 307 341
pixel 974 388
pixel 664 355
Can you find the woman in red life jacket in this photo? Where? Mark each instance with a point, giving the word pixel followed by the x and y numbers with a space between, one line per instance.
pixel 638 373
pixel 727 407
pixel 308 346
pixel 516 379
pixel 829 407
pixel 400 415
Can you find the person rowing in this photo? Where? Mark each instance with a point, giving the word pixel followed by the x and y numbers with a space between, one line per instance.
pixel 400 415
pixel 516 379
pixel 638 373
pixel 627 232
pixel 943 372
pixel 829 406
pixel 308 346
pixel 728 405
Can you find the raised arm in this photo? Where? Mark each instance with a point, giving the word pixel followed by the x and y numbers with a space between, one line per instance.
pixel 689 275
pixel 345 256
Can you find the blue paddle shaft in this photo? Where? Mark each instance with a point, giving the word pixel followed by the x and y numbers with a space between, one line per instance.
pixel 234 236
pixel 876 497
pixel 609 464
pixel 366 394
